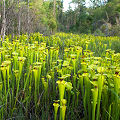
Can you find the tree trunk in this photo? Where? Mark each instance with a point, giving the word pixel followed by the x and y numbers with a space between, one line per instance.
pixel 28 30
pixel 117 21
pixel 3 30
pixel 54 9
pixel 19 18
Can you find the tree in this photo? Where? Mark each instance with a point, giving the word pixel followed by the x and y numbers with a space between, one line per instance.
pixel 28 31
pixel 19 17
pixel 54 8
pixel 3 30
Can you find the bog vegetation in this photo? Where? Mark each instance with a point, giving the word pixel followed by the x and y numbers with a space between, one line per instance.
pixel 64 76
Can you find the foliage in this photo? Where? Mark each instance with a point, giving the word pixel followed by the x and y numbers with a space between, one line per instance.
pixel 41 18
pixel 65 76
pixel 88 20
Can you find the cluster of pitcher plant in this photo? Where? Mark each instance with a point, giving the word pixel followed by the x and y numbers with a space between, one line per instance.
pixel 62 76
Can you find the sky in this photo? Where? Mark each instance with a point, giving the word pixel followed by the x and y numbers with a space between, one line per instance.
pixel 66 4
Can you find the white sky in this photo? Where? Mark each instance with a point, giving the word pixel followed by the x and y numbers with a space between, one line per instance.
pixel 66 4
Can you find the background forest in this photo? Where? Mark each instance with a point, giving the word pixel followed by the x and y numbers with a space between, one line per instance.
pixel 102 17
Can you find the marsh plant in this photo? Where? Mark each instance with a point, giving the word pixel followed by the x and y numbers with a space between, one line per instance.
pixel 62 76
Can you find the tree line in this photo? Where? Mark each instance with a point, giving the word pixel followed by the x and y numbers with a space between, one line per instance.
pixel 28 16
pixel 102 17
